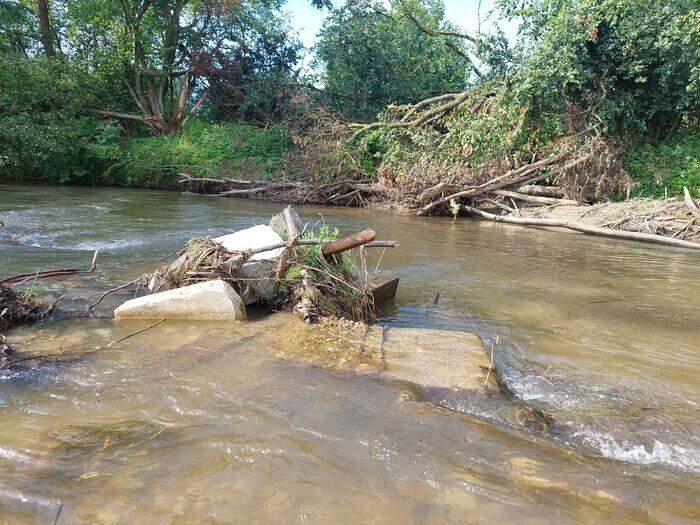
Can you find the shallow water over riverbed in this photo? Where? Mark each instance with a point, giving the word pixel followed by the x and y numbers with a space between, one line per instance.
pixel 200 422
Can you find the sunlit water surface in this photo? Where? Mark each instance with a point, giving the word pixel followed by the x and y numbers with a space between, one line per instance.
pixel 204 422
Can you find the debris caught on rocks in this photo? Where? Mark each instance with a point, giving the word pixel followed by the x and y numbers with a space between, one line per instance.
pixel 286 265
pixel 17 307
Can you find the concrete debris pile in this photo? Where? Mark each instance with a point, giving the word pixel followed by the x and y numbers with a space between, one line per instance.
pixel 285 265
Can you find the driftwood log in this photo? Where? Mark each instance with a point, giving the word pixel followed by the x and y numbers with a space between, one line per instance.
pixel 542 191
pixel 535 199
pixel 348 243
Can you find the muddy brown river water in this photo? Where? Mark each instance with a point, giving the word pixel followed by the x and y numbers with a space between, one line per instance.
pixel 203 423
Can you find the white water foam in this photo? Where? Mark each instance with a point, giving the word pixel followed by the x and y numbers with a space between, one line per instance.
pixel 659 453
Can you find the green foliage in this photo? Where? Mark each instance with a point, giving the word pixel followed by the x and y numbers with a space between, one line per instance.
pixel 209 150
pixel 43 123
pixel 370 60
pixel 623 64
pixel 18 27
pixel 47 134
pixel 665 166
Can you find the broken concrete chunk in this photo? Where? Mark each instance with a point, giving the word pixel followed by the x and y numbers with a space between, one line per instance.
pixel 260 277
pixel 382 286
pixel 435 358
pixel 252 238
pixel 210 300
pixel 279 223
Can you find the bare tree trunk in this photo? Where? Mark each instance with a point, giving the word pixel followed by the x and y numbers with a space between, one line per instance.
pixel 45 28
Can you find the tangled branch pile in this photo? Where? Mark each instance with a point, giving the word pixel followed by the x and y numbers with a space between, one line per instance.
pixel 17 307
pixel 201 259
pixel 341 193
pixel 464 146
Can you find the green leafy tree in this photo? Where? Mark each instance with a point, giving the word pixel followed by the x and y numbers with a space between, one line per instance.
pixel 622 64
pixel 18 28
pixel 371 56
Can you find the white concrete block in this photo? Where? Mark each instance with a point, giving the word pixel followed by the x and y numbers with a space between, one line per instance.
pixel 209 300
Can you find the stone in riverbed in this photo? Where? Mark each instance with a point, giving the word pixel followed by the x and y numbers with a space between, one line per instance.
pixel 210 300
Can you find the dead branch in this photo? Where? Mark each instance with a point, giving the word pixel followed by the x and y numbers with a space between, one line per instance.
pixel 111 290
pixel 511 178
pixel 46 274
pixel 420 105
pixel 534 199
pixel 10 364
pixel 313 242
pixel 438 189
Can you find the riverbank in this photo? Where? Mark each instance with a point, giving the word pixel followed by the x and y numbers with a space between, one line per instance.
pixel 672 217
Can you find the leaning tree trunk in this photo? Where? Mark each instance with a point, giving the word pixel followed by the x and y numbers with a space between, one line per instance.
pixel 151 103
pixel 45 28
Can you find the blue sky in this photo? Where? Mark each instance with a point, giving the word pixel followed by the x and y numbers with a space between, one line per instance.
pixel 307 20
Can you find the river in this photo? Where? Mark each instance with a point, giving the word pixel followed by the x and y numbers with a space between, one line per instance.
pixel 197 422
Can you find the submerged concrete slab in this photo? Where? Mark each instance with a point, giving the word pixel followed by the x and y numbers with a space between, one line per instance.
pixel 252 238
pixel 210 300
pixel 435 358
pixel 429 358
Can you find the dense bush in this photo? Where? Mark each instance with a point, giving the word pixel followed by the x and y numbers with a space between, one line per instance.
pixel 211 150
pixel 624 65
pixel 43 123
pixel 665 166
